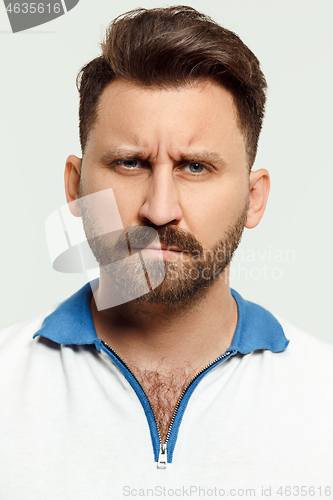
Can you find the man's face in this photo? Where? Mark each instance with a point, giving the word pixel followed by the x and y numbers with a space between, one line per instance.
pixel 176 161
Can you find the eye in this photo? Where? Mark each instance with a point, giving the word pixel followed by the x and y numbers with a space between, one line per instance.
pixel 195 168
pixel 130 164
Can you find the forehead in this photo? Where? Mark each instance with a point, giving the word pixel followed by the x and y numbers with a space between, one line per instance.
pixel 202 116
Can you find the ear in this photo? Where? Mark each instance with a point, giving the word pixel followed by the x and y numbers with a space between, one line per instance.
pixel 259 190
pixel 72 181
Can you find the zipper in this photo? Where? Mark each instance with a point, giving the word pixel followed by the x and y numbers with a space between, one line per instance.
pixel 163 454
pixel 151 408
pixel 163 447
pixel 162 457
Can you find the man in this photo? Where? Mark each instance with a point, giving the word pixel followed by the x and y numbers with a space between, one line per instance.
pixel 188 389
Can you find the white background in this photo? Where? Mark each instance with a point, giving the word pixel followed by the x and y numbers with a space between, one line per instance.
pixel 39 129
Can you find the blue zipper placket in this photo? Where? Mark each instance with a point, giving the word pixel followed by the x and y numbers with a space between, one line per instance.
pixel 163 452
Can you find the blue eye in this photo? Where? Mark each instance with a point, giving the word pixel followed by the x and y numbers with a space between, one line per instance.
pixel 130 163
pixel 195 168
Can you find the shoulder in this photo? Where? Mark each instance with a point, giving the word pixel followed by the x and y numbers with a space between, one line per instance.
pixel 303 340
pixel 306 355
pixel 22 332
pixel 23 357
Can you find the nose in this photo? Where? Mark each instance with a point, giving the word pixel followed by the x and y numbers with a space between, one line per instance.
pixel 161 205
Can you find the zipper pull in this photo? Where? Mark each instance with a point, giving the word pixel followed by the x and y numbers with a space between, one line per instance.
pixel 162 458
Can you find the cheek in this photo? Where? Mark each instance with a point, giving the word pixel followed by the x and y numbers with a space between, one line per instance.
pixel 210 214
pixel 127 196
pixel 129 202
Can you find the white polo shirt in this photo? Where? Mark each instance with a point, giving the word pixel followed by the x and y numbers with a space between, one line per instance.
pixel 76 424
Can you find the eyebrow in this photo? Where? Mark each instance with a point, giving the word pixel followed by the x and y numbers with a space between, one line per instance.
pixel 203 156
pixel 117 153
pixel 207 156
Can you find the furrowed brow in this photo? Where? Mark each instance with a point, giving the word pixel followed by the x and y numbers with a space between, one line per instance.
pixel 117 153
pixel 204 156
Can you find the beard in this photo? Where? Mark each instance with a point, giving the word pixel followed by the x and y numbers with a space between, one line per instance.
pixel 171 283
pixel 188 280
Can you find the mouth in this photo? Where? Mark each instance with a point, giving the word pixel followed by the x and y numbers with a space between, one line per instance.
pixel 160 248
pixel 162 251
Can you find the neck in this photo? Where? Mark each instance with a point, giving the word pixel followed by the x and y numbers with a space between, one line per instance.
pixel 165 338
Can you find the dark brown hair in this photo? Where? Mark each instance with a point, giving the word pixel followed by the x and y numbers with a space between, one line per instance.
pixel 172 47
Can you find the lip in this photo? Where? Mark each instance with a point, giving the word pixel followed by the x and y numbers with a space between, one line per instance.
pixel 162 247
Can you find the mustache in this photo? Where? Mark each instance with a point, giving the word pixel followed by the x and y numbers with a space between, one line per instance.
pixel 180 238
pixel 117 244
pixel 169 236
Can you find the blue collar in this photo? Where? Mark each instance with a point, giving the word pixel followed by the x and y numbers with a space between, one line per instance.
pixel 72 323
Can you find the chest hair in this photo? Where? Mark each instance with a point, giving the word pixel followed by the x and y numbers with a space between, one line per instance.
pixel 163 392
